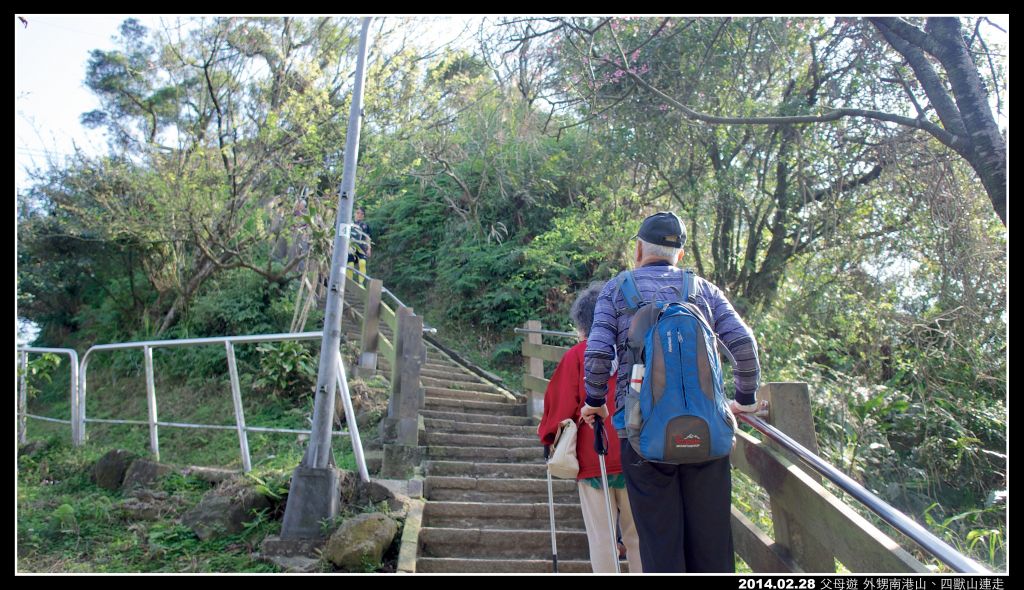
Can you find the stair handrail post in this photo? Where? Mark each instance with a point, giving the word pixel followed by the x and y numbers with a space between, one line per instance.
pixel 789 410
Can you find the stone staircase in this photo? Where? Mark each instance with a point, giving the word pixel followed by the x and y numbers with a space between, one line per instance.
pixel 485 483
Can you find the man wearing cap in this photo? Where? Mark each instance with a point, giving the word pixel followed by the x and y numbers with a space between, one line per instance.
pixel 682 512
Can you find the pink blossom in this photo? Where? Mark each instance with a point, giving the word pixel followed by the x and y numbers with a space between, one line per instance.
pixel 636 54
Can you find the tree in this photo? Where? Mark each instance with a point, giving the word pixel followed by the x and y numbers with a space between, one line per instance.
pixel 954 110
pixel 251 110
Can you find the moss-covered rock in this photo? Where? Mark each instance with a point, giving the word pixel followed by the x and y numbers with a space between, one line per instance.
pixel 361 541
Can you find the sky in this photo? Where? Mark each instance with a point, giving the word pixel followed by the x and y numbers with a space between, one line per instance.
pixel 50 95
pixel 50 55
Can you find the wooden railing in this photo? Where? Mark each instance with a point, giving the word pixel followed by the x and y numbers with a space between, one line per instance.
pixel 813 528
pixel 405 353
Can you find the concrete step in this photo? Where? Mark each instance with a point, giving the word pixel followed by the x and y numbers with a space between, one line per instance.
pixel 453 426
pixel 464 394
pixel 455 381
pixel 453 376
pixel 494 490
pixel 453 565
pixel 453 414
pixel 489 454
pixel 434 365
pixel 486 470
pixel 484 515
pixel 447 439
pixel 501 544
pixel 473 407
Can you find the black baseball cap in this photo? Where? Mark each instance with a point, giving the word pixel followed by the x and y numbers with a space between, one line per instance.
pixel 664 228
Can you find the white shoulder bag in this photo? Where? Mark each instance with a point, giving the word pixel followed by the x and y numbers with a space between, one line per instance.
pixel 563 463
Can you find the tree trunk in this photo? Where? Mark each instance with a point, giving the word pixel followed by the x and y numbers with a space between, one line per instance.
pixel 989 148
pixel 206 269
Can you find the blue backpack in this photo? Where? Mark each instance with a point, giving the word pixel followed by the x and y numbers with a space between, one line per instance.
pixel 680 414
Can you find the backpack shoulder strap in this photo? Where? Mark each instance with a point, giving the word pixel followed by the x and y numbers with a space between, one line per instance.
pixel 690 285
pixel 630 292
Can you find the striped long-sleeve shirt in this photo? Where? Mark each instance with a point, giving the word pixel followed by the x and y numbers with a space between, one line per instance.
pixel 611 326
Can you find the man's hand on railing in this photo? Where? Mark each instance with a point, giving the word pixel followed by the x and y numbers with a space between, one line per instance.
pixel 758 408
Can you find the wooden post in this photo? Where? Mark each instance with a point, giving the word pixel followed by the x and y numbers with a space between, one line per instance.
pixel 535 368
pixel 371 329
pixel 390 424
pixel 402 452
pixel 790 411
pixel 413 355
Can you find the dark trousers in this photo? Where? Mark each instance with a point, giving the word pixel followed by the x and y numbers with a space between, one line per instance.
pixel 682 513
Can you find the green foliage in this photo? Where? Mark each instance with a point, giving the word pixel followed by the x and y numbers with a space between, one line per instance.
pixel 286 369
pixel 39 369
pixel 240 302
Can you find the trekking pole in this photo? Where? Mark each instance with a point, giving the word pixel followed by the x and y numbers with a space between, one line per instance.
pixel 551 511
pixel 602 449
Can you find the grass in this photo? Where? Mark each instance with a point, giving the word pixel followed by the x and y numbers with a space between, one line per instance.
pixel 68 524
pixel 65 523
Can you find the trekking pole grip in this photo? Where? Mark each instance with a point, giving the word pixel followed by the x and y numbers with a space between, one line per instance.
pixel 600 446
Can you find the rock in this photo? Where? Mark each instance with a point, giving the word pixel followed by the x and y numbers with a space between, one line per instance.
pixel 143 504
pixel 224 510
pixel 144 473
pixel 353 491
pixel 293 565
pixel 361 541
pixel 33 448
pixel 210 474
pixel 394 492
pixel 109 471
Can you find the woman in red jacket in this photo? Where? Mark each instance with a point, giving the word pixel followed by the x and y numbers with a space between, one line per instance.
pixel 563 399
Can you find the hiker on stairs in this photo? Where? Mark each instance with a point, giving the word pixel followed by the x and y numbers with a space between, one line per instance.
pixel 681 511
pixel 563 399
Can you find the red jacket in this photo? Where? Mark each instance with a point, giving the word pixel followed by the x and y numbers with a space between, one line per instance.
pixel 563 399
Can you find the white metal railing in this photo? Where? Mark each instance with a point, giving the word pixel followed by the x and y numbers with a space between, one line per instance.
pixel 240 425
pixel 23 391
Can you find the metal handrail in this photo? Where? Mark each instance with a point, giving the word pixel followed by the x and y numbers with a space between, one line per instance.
pixel 240 426
pixel 23 391
pixel 928 541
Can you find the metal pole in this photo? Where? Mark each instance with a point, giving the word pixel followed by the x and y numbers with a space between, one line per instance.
pixel 314 496
pixel 350 419
pixel 905 525
pixel 154 437
pixel 82 382
pixel 318 454
pixel 23 399
pixel 236 398
pixel 602 449
pixel 74 402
